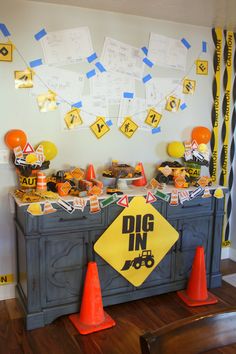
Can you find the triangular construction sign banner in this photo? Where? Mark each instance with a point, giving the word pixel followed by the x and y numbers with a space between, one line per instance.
pixel 136 241
pixel 124 201
pixel 28 149
pixel 150 197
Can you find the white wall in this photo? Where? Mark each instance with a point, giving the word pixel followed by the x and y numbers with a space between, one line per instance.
pixel 19 110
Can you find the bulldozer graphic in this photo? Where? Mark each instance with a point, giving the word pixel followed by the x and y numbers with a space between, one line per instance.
pixel 145 259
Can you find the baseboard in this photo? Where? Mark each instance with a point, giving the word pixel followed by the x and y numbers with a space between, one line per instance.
pixel 232 254
pixel 225 253
pixel 7 291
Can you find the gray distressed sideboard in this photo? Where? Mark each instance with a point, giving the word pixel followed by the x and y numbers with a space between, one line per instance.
pixel 53 251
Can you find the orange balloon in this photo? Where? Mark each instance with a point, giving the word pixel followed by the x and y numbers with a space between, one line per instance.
pixel 14 138
pixel 202 135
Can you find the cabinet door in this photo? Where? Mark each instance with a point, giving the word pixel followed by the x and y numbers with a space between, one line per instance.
pixel 63 267
pixel 112 283
pixel 193 232
pixel 162 274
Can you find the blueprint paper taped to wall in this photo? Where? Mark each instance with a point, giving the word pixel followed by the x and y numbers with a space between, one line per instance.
pixel 67 46
pixel 122 58
pixel 67 84
pixel 111 85
pixel 167 52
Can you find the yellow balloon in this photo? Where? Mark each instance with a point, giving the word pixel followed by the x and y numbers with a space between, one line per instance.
pixel 49 150
pixel 175 149
pixel 202 148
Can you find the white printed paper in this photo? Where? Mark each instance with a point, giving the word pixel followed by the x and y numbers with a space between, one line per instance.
pixel 111 85
pixel 167 52
pixel 92 107
pixel 158 89
pixel 68 85
pixel 122 58
pixel 67 46
pixel 136 109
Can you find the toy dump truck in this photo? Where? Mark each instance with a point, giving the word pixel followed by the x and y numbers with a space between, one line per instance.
pixel 169 170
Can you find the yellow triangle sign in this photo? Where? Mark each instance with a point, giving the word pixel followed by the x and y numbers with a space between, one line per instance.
pixel 136 241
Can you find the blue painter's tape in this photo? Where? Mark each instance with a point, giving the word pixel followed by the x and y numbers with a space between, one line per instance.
pixel 148 62
pixel 100 67
pixel 128 95
pixel 156 130
pixel 91 73
pixel 4 30
pixel 77 104
pixel 109 123
pixel 92 57
pixel 35 63
pixel 40 34
pixel 204 46
pixel 185 43
pixel 145 50
pixel 147 78
pixel 183 106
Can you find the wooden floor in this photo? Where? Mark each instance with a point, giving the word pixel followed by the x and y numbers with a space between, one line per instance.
pixel 132 320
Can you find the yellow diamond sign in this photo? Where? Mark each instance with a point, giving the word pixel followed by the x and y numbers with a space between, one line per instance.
pixel 136 241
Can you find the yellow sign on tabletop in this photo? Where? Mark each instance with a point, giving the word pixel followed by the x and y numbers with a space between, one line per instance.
pixel 136 241
pixel 128 127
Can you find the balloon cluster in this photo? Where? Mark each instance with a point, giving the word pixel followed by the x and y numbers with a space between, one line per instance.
pixel 201 135
pixel 17 138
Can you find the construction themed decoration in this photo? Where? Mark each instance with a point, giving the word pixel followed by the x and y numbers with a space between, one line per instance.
pixel 35 209
pixel 6 52
pixel 94 204
pixel 23 79
pixel 99 127
pixel 196 293
pixel 136 241
pixel 128 127
pixel 201 135
pixel 172 104
pixel 175 149
pixel 92 317
pixel 153 118
pixel 73 118
pixel 14 138
pixel 49 150
pixel 47 101
pixel 189 86
pixel 48 208
pixel 201 67
pixel 216 109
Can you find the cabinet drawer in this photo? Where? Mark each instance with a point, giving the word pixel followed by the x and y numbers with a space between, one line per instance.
pixel 197 206
pixel 63 221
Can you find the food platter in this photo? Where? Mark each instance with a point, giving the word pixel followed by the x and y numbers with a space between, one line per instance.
pixel 122 183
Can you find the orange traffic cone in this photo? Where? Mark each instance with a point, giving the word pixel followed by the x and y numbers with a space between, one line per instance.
pixel 92 317
pixel 196 293
pixel 90 174
pixel 142 181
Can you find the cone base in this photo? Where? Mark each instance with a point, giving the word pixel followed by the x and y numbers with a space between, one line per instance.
pixel 139 183
pixel 211 299
pixel 83 328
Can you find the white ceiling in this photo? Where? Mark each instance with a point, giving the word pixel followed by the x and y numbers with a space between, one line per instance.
pixel 210 13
